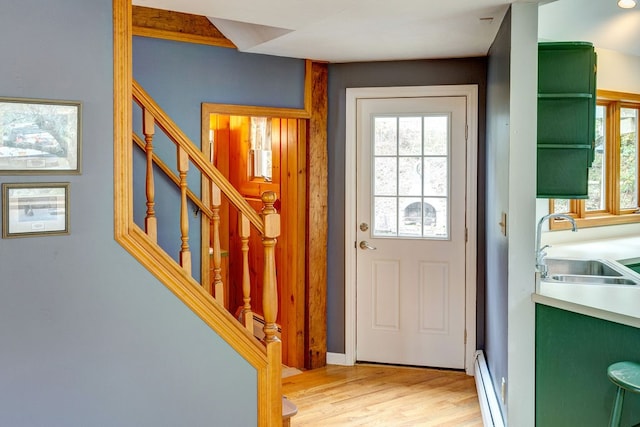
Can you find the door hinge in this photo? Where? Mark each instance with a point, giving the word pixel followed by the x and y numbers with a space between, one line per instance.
pixel 466 132
pixel 466 235
pixel 465 337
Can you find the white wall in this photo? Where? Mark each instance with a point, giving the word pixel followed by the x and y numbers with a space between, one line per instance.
pixel 617 71
pixel 522 188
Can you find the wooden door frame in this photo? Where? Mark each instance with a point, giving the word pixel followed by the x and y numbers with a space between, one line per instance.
pixel 291 243
pixel 308 292
pixel 352 95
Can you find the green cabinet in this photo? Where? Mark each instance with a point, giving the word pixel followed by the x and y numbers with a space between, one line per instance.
pixel 566 118
pixel 573 352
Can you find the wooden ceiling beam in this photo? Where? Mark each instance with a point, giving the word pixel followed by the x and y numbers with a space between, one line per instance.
pixel 165 24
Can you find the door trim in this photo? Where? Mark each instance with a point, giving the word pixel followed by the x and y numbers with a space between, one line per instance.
pixel 352 95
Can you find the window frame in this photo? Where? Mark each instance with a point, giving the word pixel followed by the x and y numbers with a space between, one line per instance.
pixel 613 101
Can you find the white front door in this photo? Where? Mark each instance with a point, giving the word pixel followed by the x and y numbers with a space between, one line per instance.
pixel 411 230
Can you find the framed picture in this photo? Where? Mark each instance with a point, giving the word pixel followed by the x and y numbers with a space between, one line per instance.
pixel 39 136
pixel 35 209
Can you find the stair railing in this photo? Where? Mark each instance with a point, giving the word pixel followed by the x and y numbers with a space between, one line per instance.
pixel 266 223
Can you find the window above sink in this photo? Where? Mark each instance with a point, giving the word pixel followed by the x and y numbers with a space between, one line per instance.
pixel 614 176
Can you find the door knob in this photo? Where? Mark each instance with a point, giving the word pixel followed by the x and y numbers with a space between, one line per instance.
pixel 365 245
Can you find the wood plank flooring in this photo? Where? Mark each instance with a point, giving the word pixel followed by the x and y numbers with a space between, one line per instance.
pixel 380 395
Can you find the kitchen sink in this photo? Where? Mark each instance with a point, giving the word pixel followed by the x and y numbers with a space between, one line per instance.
pixel 591 280
pixel 589 271
pixel 590 267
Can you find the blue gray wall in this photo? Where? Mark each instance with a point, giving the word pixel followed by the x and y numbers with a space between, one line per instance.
pixel 379 74
pixel 497 155
pixel 87 336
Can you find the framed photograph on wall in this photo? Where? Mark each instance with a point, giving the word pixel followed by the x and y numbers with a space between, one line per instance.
pixel 35 209
pixel 40 136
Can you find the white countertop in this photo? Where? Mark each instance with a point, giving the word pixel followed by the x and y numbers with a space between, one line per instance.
pixel 618 249
pixel 617 303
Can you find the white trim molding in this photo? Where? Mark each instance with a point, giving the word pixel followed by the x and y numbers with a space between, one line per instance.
pixel 337 359
pixel 352 96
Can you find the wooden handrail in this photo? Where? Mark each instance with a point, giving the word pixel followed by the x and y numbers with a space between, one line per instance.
pixel 196 156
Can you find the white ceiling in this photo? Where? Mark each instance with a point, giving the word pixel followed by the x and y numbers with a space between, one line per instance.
pixel 380 30
pixel 601 22
pixel 352 30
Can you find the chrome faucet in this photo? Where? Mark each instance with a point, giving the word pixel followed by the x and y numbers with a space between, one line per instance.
pixel 540 253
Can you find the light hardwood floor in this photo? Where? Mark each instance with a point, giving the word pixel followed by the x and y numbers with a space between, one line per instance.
pixel 379 395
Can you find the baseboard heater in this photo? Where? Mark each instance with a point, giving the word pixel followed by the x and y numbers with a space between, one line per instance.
pixel 489 406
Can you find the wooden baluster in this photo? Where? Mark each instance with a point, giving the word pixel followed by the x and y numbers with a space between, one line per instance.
pixel 271 220
pixel 150 222
pixel 244 230
pixel 218 286
pixel 185 252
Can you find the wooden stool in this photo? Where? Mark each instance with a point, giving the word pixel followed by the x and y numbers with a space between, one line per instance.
pixel 626 375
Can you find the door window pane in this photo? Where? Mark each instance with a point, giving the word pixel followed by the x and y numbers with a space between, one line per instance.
pixel 411 223
pixel 438 225
pixel 411 176
pixel 386 170
pixel 436 131
pixel 385 134
pixel 628 158
pixel 260 148
pixel 385 220
pixel 410 135
pixel 436 177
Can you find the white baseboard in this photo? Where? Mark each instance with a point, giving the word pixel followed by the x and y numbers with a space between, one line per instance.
pixel 337 359
pixel 489 406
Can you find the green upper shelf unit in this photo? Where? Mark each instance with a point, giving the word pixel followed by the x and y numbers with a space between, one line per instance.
pixel 566 118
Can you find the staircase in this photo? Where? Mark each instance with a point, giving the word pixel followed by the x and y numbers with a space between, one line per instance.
pixel 204 296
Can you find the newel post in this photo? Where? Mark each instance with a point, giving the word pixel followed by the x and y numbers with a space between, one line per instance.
pixel 271 220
